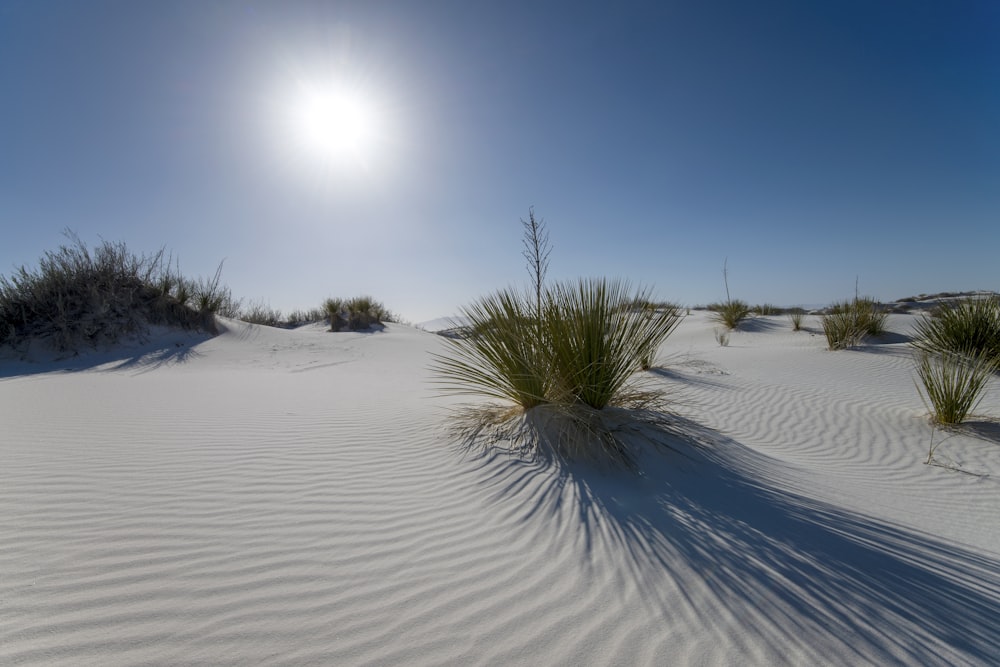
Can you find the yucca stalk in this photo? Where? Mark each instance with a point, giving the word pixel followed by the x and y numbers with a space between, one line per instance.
pixel 953 383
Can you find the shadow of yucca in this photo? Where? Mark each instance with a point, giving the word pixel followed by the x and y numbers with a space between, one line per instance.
pixel 708 532
pixel 551 432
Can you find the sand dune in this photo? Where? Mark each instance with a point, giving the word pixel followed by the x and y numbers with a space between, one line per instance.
pixel 289 497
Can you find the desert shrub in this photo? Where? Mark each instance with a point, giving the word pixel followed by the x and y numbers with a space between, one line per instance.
pixel 765 309
pixel 796 316
pixel 572 359
pixel 846 323
pixel 731 313
pixel 258 312
pixel 78 296
pixel 953 383
pixel 356 314
pixel 299 316
pixel 970 327
pixel 842 330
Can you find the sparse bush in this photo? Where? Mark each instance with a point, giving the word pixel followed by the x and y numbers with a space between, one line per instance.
pixel 300 317
pixel 765 309
pixel 796 315
pixel 848 322
pixel 971 327
pixel 260 313
pixel 356 314
pixel 80 297
pixel 953 383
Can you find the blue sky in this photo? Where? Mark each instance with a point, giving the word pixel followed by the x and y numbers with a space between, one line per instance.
pixel 809 143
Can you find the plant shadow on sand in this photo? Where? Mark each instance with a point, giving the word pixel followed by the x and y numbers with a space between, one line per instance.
pixel 138 356
pixel 706 532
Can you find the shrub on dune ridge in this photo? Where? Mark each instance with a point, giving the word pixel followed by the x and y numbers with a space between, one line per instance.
pixel 568 364
pixel 356 314
pixel 80 297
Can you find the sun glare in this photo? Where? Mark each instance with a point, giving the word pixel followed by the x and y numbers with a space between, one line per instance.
pixel 336 125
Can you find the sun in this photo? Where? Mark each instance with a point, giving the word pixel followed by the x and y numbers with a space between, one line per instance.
pixel 336 124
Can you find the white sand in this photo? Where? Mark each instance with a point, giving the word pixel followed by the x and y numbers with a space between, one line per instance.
pixel 288 497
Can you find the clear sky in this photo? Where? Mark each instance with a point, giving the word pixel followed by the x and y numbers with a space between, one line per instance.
pixel 391 148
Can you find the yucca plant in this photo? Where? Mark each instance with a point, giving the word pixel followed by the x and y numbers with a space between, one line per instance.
pixel 972 326
pixel 731 313
pixel 502 357
pixel 565 368
pixel 848 322
pixel 649 310
pixel 595 340
pixel 953 383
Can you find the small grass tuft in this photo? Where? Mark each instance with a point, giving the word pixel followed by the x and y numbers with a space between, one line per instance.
pixel 796 316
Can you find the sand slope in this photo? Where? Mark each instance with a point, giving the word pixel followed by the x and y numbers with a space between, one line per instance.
pixel 288 497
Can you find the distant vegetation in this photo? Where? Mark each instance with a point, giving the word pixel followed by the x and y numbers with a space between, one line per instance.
pixel 847 323
pixel 796 316
pixel 79 297
pixel 356 314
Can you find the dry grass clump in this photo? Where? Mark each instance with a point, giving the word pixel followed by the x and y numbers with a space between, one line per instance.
pixel 78 296
pixel 569 362
pixel 848 322
pixel 356 314
pixel 299 317
pixel 796 316
pixel 258 312
pixel 765 309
